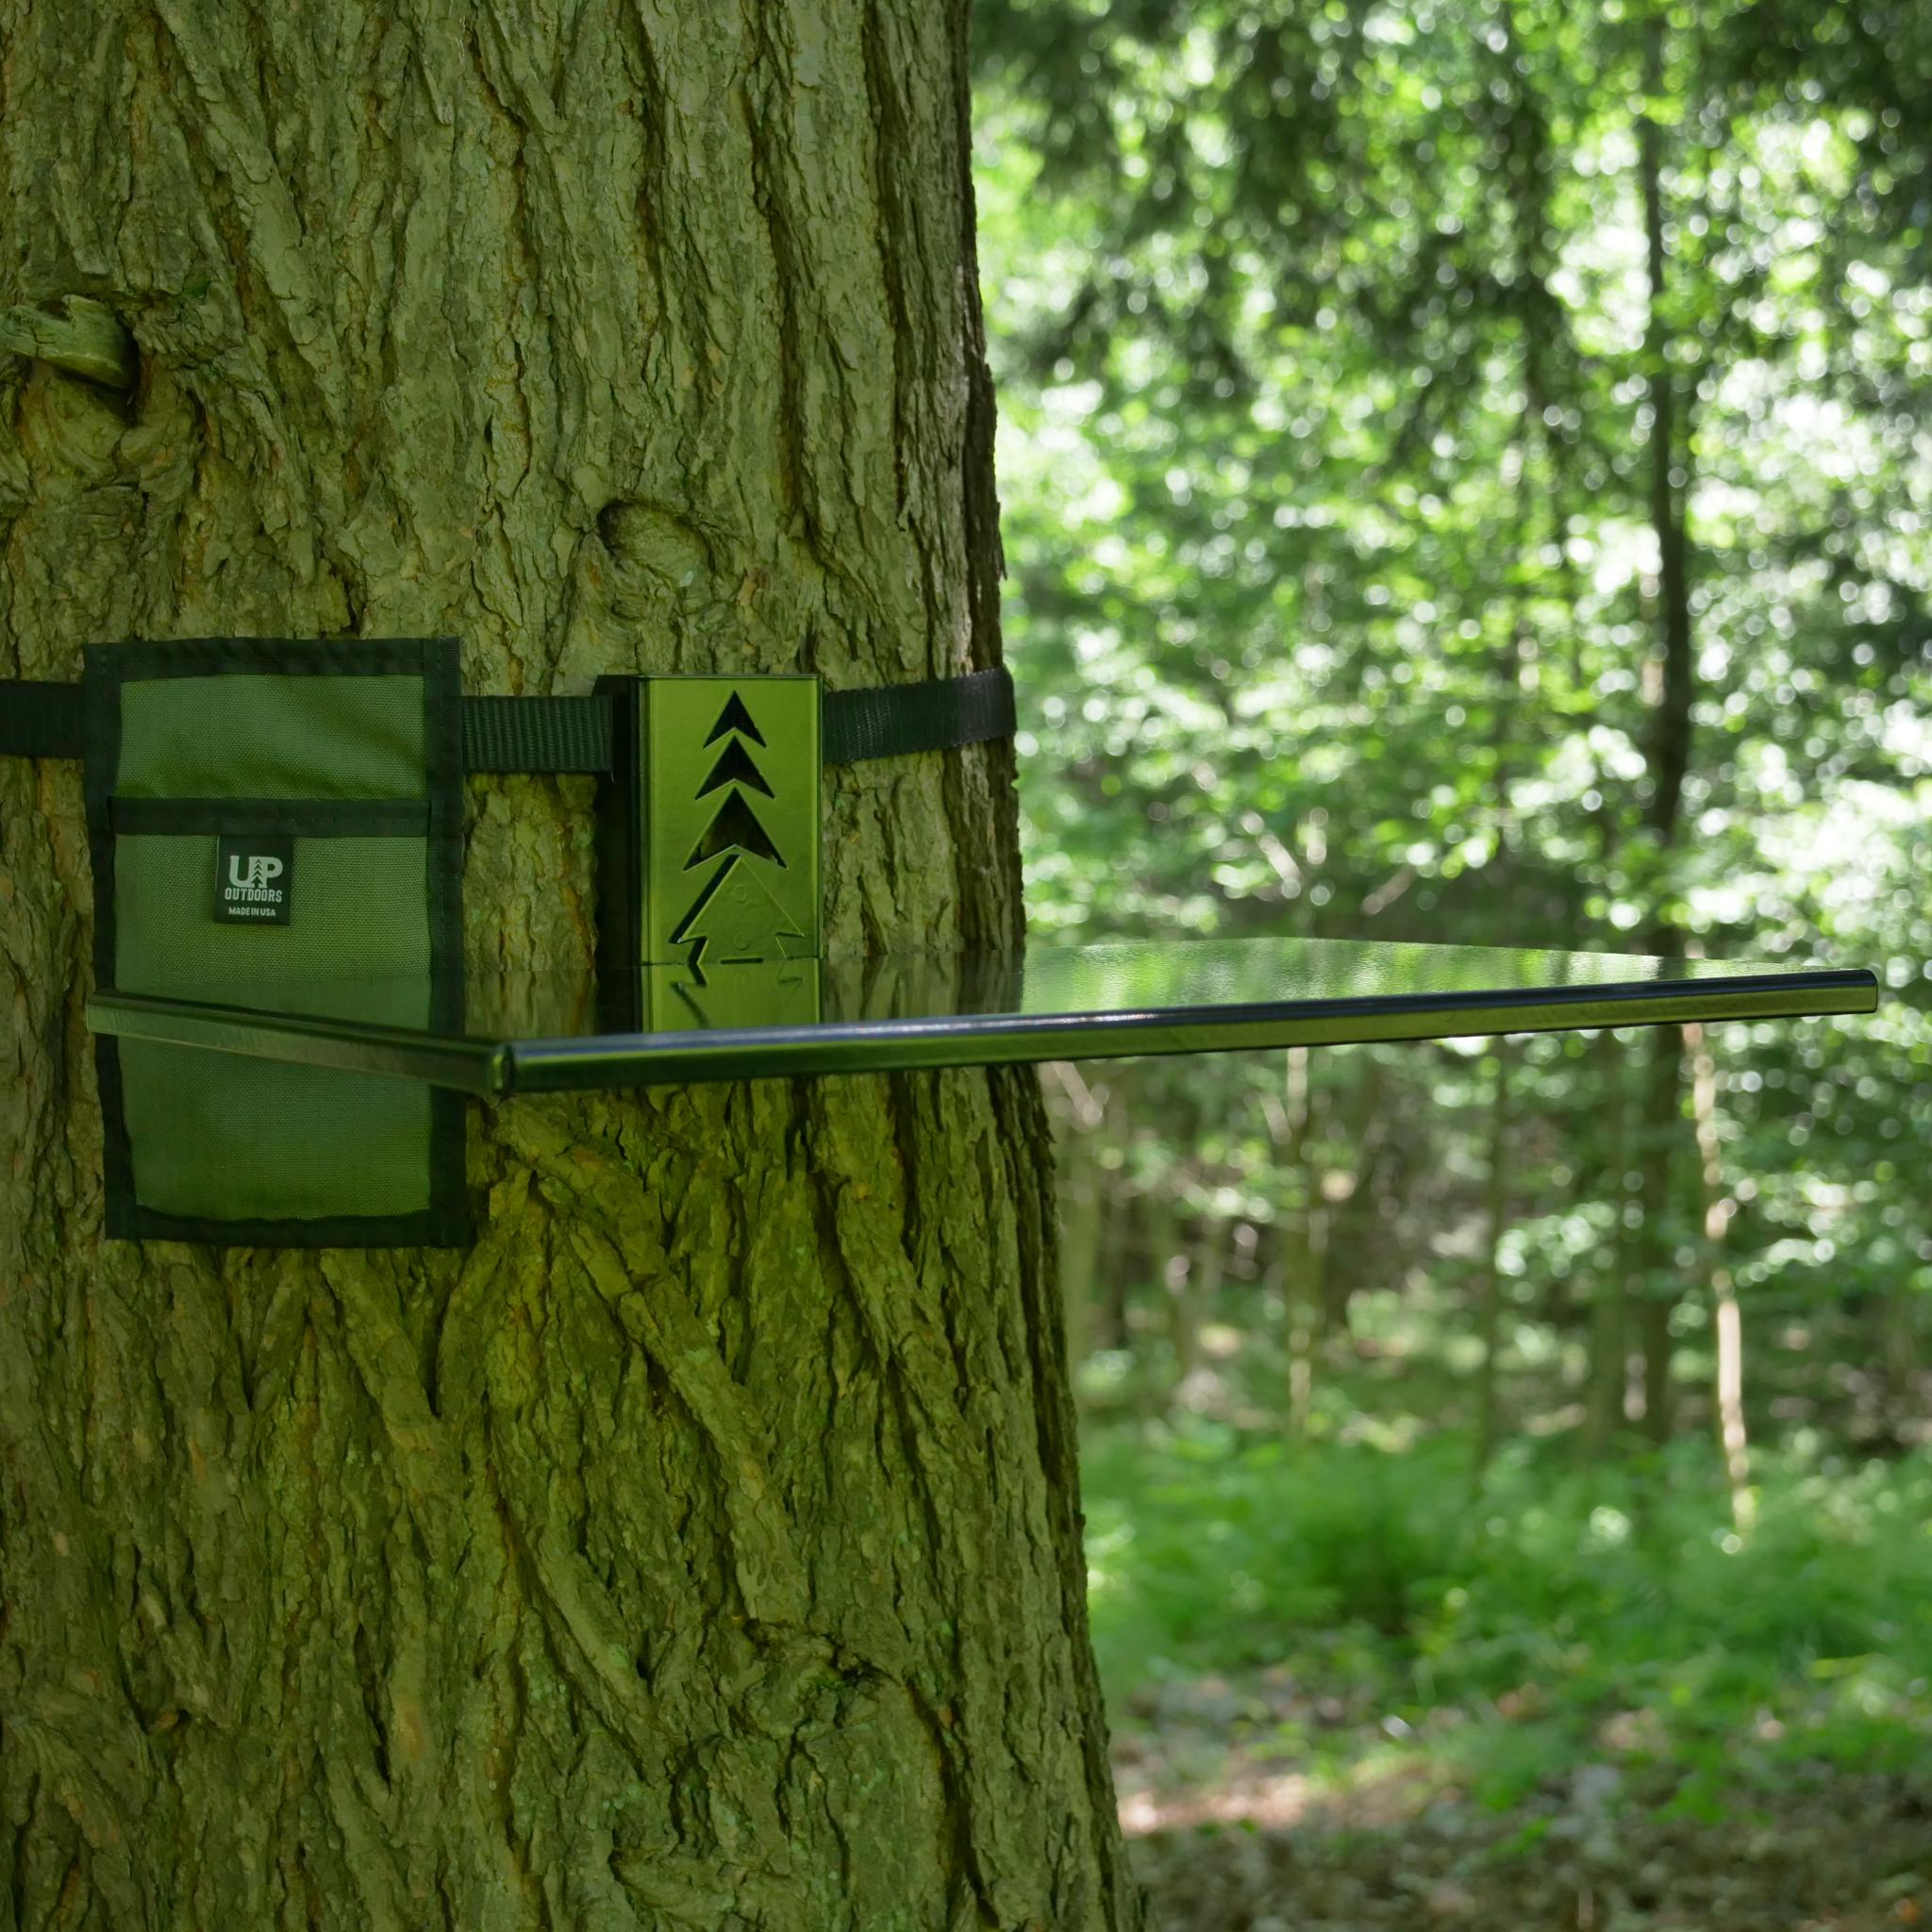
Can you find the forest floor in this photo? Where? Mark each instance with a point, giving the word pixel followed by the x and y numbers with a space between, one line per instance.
pixel 1348 1693
pixel 1229 1834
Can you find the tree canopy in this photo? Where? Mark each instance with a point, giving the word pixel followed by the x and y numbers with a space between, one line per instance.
pixel 1468 476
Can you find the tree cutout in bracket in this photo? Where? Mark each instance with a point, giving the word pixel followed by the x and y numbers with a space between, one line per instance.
pixel 734 767
pixel 736 826
pixel 736 921
pixel 734 717
pixel 735 915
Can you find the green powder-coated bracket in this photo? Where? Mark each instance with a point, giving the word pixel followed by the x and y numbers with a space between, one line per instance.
pixel 708 850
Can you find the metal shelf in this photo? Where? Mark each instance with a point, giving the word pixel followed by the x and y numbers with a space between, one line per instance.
pixel 670 1026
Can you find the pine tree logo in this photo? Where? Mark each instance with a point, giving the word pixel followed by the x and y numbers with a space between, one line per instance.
pixel 734 917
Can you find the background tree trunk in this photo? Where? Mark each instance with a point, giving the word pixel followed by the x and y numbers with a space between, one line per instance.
pixel 1169 1266
pixel 1489 1307
pixel 1082 1202
pixel 1728 1317
pixel 703 1548
pixel 1657 1287
pixel 1304 1246
pixel 1610 1304
pixel 1673 694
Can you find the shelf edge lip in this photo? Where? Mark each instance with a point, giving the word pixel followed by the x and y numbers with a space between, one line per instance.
pixel 539 1066
pixel 354 1046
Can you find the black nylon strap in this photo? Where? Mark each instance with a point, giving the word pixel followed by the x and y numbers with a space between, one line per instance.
pixel 574 734
pixel 42 721
pixel 891 720
pixel 45 720
pixel 536 734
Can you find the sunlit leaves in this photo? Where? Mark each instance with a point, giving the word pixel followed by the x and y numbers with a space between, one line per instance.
pixel 1328 351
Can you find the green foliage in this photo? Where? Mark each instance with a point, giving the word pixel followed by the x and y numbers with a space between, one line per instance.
pixel 1516 1630
pixel 1330 371
pixel 1364 367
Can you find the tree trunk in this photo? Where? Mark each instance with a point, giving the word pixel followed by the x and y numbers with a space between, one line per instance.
pixel 1116 1248
pixel 1352 1223
pixel 1668 753
pixel 1304 1247
pixel 1489 1307
pixel 1729 1382
pixel 1081 1201
pixel 703 1547
pixel 1114 1263
pixel 1609 1343
pixel 1170 1266
pixel 1899 1317
pixel 1662 1127
pixel 1211 1265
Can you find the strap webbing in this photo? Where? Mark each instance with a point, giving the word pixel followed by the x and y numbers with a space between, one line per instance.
pixel 891 719
pixel 45 720
pixel 536 734
pixel 574 734
pixel 42 721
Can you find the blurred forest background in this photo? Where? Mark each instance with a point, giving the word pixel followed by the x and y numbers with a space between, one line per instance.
pixel 1468 476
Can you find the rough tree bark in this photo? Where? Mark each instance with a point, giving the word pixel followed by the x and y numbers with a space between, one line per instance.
pixel 703 1548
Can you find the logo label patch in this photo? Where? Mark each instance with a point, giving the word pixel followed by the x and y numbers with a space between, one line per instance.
pixel 254 877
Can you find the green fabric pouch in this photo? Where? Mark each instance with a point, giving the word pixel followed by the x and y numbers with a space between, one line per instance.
pixel 278 824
